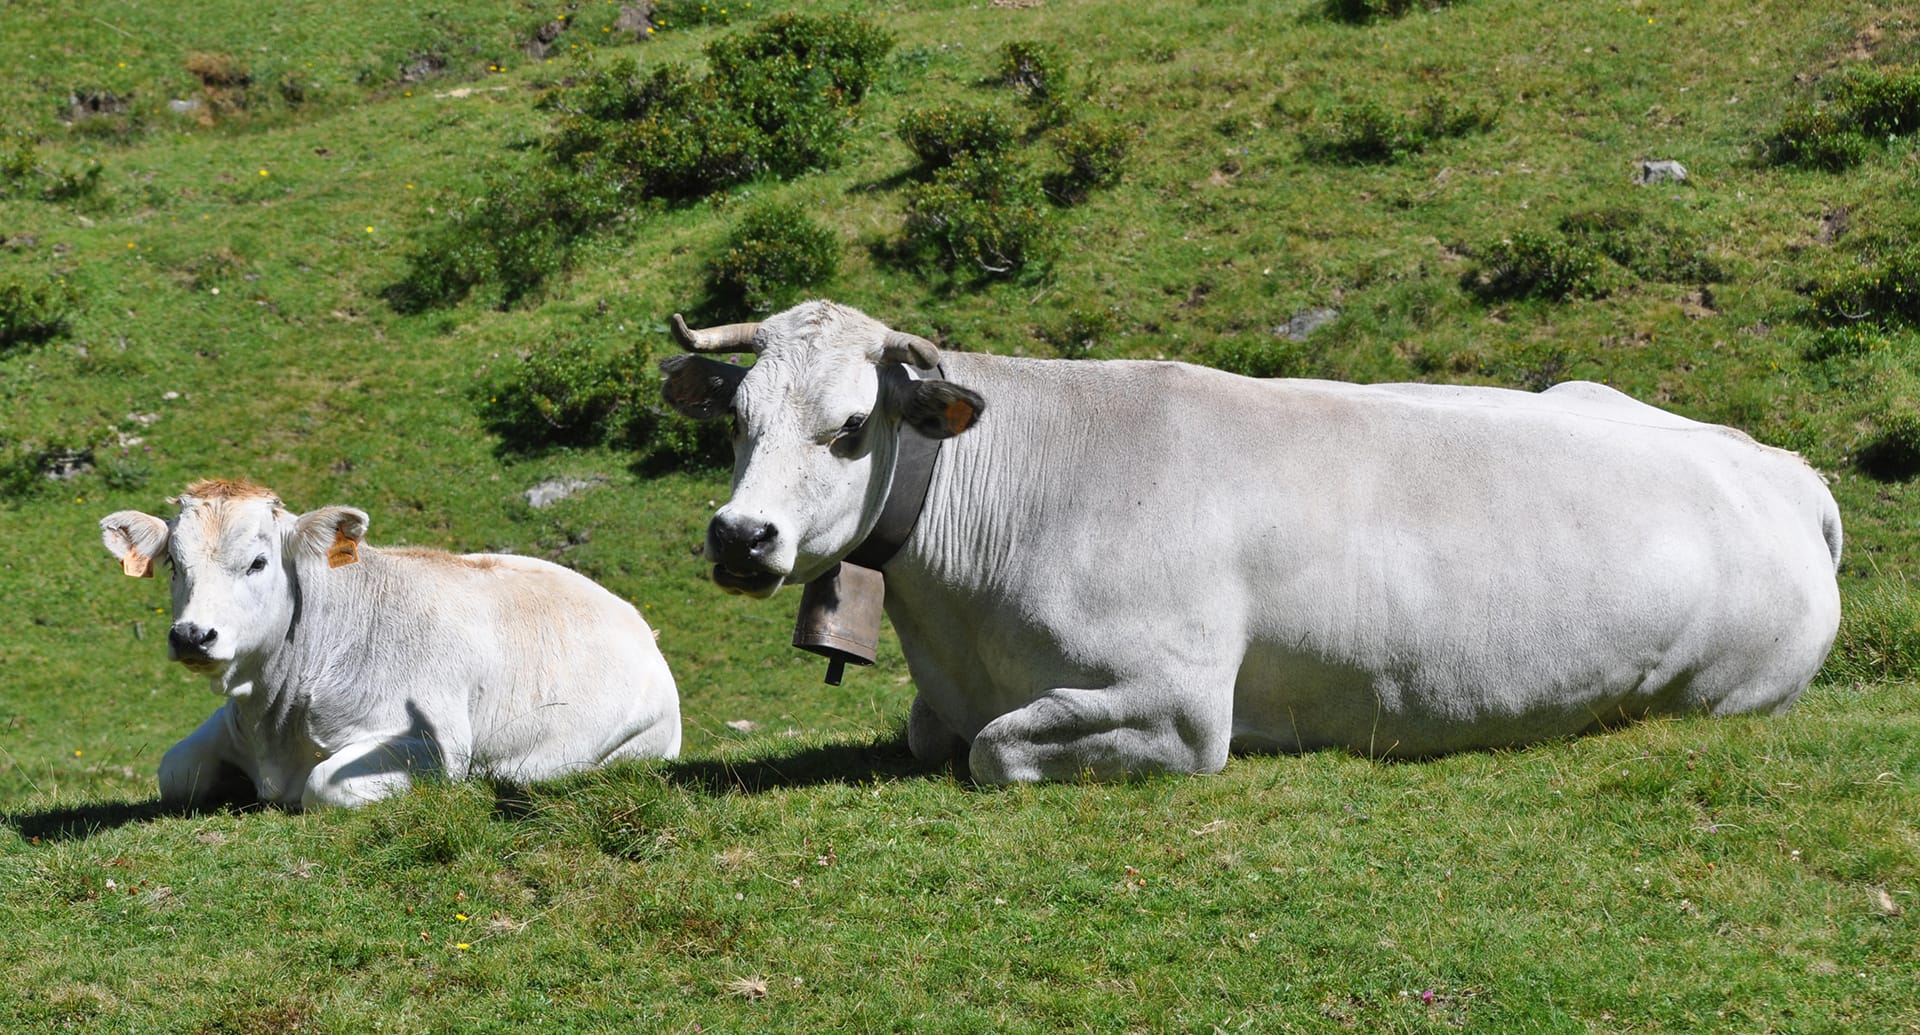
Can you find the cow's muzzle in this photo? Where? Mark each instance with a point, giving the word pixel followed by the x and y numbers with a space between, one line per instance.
pixel 190 643
pixel 742 549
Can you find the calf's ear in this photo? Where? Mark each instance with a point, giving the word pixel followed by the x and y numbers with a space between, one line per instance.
pixel 699 387
pixel 941 409
pixel 333 532
pixel 136 539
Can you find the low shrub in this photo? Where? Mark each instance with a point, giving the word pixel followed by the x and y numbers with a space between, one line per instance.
pixel 1095 154
pixel 1536 265
pixel 983 213
pixel 519 231
pixel 578 393
pixel 1361 11
pixel 1368 133
pixel 1884 292
pixel 774 255
pixel 1034 70
pixel 940 135
pixel 1075 333
pixel 1893 453
pixel 35 309
pixel 1864 108
pixel 1651 249
pixel 23 175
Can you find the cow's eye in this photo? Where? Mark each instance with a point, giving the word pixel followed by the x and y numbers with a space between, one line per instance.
pixel 259 565
pixel 853 425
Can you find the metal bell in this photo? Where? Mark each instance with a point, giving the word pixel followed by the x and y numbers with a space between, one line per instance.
pixel 840 617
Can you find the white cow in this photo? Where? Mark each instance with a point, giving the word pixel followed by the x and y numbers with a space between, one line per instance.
pixel 1135 566
pixel 347 669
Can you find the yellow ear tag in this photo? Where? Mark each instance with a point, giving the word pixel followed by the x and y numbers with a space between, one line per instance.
pixel 137 566
pixel 344 550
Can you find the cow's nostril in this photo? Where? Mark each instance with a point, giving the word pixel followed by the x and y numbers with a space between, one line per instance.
pixel 188 638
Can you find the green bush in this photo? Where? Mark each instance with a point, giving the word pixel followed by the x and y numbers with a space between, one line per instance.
pixel 519 231
pixel 35 309
pixel 941 134
pixel 1368 133
pixel 1893 454
pixel 1095 154
pixel 1034 70
pixel 983 213
pixel 1360 11
pixel 774 255
pixel 1817 138
pixel 577 393
pixel 1534 265
pixel 1864 108
pixel 1075 333
pixel 1846 342
pixel 1651 249
pixel 1884 292
pixel 23 176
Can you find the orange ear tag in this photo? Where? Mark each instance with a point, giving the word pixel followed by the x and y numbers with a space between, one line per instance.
pixel 344 550
pixel 137 566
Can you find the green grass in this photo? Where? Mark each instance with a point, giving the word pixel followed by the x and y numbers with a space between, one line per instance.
pixel 225 303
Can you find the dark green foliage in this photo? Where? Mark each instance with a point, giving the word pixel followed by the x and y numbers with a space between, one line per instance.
pixel 1095 154
pixel 1259 355
pixel 521 230
pixel 34 309
pixel 777 102
pixel 1816 138
pixel 23 176
pixel 19 470
pixel 775 254
pixel 578 393
pixel 1360 11
pixel 984 213
pixel 1884 292
pixel 1893 454
pixel 1076 333
pixel 1537 265
pixel 1651 249
pixel 1033 69
pixel 1368 133
pixel 1865 107
pixel 1847 341
pixel 941 134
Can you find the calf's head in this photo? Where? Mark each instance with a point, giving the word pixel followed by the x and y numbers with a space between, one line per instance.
pixel 816 424
pixel 234 555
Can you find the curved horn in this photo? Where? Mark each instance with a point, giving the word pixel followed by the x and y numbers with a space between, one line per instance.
pixel 733 337
pixel 901 347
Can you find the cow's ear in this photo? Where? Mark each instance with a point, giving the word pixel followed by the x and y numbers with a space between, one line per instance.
pixel 333 532
pixel 699 387
pixel 136 539
pixel 941 409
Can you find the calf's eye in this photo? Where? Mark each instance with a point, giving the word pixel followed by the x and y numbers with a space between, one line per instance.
pixel 853 425
pixel 259 565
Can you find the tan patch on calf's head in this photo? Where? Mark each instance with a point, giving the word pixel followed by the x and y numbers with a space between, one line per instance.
pixel 344 550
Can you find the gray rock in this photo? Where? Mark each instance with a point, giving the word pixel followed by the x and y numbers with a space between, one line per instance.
pixel 553 490
pixel 1663 170
pixel 1305 322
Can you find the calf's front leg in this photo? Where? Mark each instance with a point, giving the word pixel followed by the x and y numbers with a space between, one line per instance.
pixel 202 766
pixel 368 771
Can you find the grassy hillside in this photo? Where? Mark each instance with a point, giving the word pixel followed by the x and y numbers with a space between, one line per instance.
pixel 204 213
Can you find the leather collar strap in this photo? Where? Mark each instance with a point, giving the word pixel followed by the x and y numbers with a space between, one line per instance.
pixel 912 473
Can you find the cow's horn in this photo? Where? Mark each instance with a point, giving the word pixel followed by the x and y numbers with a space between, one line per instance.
pixel 733 337
pixel 902 347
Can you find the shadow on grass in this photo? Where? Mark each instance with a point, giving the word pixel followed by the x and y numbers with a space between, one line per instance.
pixel 80 822
pixel 886 757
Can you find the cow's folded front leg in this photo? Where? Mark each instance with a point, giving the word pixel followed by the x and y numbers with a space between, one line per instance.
pixel 929 737
pixel 369 771
pixel 1106 734
pixel 201 767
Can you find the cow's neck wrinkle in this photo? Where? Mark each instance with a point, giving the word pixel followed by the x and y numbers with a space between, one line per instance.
pixel 995 483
